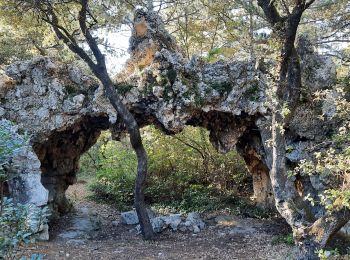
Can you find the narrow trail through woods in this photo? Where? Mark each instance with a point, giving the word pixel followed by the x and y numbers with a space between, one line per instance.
pixel 93 231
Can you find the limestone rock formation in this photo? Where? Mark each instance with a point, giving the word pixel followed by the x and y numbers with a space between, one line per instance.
pixel 65 110
pixel 60 115
pixel 22 168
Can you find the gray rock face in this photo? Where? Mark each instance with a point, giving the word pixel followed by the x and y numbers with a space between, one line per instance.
pixel 22 167
pixel 129 218
pixel 173 221
pixel 158 224
pixel 194 221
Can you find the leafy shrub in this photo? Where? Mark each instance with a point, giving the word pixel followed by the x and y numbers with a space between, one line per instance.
pixel 116 166
pixel 329 254
pixel 18 225
pixel 185 171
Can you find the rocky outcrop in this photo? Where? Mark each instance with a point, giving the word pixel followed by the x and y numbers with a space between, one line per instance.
pixel 22 168
pixel 54 103
pixel 65 110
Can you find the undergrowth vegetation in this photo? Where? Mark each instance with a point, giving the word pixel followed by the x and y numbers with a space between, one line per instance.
pixel 186 173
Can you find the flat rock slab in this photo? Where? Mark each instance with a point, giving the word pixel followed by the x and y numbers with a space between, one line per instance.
pixel 241 230
pixel 82 227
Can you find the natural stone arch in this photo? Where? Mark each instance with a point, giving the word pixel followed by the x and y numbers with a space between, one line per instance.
pixel 59 156
pixel 65 110
pixel 54 103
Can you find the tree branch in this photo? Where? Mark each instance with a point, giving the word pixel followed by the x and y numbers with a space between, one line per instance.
pixel 270 11
pixel 100 59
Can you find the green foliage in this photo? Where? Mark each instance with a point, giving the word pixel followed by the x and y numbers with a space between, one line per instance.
pixel 328 254
pixel 123 88
pixel 195 197
pixel 203 180
pixel 25 35
pixel 283 239
pixel 72 90
pixel 333 163
pixel 18 225
pixel 212 54
pixel 171 74
pixel 115 164
pixel 252 93
pixel 10 50
pixel 248 208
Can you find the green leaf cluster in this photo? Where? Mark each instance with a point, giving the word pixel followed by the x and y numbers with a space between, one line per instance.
pixel 185 171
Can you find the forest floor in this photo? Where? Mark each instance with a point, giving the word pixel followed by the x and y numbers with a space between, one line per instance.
pixel 93 231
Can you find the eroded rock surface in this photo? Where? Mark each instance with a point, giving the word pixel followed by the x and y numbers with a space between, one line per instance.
pixel 22 168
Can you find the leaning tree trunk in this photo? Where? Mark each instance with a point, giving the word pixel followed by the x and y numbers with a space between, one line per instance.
pixel 314 237
pixel 100 71
pixel 136 142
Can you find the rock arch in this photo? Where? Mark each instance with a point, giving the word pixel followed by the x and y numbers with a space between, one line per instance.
pixel 65 110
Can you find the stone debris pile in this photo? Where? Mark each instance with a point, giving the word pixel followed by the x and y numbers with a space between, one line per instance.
pixel 175 222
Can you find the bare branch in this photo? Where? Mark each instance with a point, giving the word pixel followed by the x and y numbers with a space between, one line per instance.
pixel 100 59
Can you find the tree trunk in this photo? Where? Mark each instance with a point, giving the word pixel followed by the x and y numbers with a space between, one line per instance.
pixel 100 71
pixel 136 142
pixel 287 90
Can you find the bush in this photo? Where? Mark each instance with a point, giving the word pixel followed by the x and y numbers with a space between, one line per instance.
pixel 185 171
pixel 18 225
pixel 115 168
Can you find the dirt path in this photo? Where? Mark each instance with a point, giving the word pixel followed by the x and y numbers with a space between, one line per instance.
pixel 92 232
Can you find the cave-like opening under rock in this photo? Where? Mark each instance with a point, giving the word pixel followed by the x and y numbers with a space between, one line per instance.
pixel 61 153
pixel 59 156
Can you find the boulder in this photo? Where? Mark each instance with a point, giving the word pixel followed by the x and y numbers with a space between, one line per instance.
pixel 131 218
pixel 158 224
pixel 173 221
pixel 194 221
